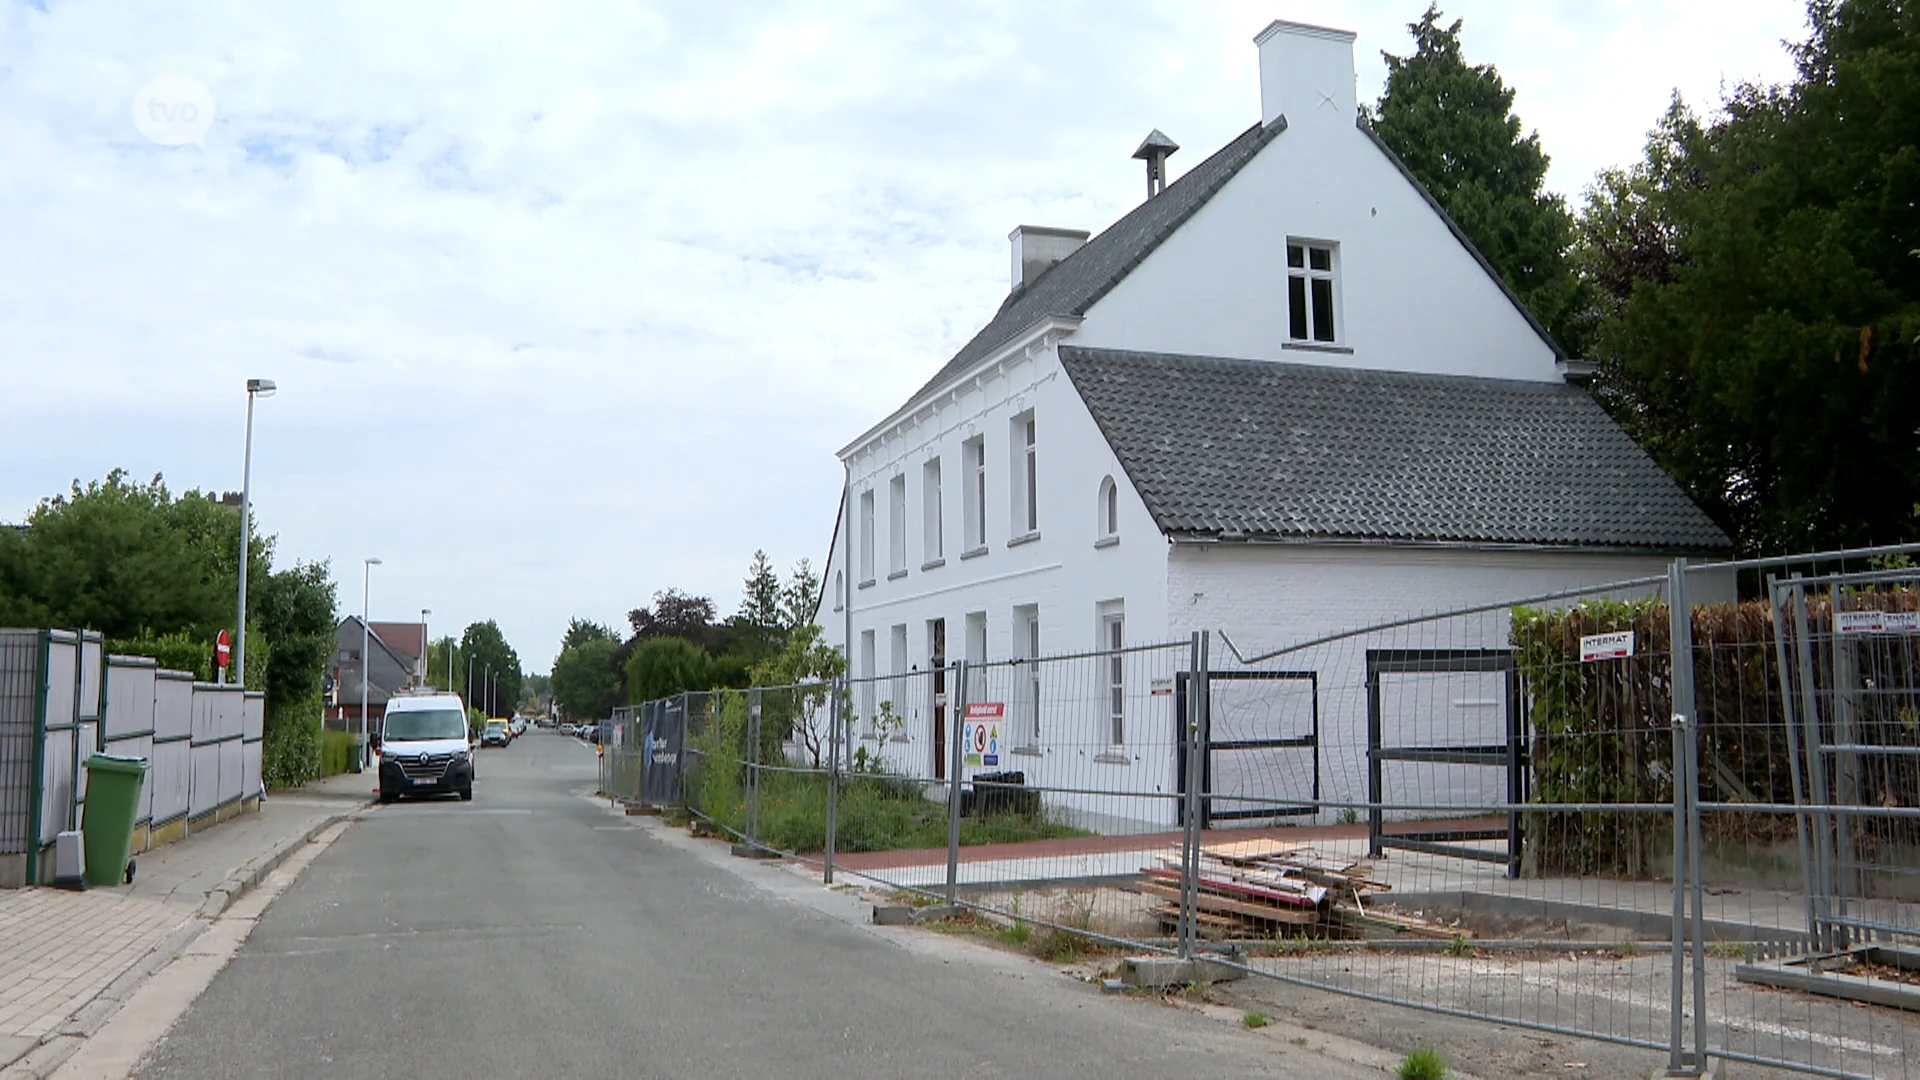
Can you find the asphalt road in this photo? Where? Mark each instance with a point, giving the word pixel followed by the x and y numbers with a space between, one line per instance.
pixel 531 933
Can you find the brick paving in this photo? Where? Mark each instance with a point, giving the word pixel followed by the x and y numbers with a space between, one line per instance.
pixel 63 948
pixel 61 951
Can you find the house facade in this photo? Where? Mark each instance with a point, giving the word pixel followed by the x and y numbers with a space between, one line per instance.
pixel 387 670
pixel 1281 398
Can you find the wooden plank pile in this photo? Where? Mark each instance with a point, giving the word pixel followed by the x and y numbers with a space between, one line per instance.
pixel 1261 887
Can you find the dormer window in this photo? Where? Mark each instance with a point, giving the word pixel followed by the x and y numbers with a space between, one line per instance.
pixel 1312 270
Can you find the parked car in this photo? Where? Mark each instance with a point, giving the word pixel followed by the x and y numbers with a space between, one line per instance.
pixel 423 747
pixel 517 727
pixel 569 728
pixel 495 733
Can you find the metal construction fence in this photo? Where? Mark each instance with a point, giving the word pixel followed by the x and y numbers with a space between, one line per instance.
pixel 1680 812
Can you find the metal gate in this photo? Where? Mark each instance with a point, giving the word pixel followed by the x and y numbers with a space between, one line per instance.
pixel 1280 765
pixel 1457 840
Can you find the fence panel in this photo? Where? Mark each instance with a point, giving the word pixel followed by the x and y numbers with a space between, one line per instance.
pixel 19 710
pixel 1810 809
pixel 1405 855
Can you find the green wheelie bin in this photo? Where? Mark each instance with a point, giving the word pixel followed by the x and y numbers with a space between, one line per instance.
pixel 113 801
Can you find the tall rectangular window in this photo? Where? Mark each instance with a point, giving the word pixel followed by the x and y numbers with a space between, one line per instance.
pixel 866 537
pixel 899 688
pixel 1311 280
pixel 1026 646
pixel 867 673
pixel 1023 476
pixel 977 655
pixel 1113 638
pixel 973 462
pixel 933 529
pixel 897 525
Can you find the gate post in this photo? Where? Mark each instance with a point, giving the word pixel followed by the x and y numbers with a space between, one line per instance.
pixel 1686 836
pixel 953 781
pixel 1190 831
pixel 836 689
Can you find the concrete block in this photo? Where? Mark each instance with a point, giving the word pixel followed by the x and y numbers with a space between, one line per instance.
pixel 642 810
pixel 937 912
pixel 748 851
pixel 1714 1069
pixel 892 915
pixel 1162 972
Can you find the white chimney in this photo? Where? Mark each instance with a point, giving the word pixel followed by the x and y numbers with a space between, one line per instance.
pixel 1036 247
pixel 1306 75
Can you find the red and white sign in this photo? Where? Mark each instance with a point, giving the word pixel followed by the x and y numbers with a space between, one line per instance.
pixel 222 649
pixel 1903 622
pixel 986 710
pixel 1606 646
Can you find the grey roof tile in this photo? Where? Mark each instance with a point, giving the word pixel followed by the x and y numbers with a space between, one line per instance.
pixel 1074 284
pixel 1300 451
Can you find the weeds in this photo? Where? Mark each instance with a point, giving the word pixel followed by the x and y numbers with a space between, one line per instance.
pixel 1628 949
pixel 1018 933
pixel 1349 816
pixel 1460 947
pixel 1728 950
pixel 1422 1065
pixel 1197 992
pixel 1255 1020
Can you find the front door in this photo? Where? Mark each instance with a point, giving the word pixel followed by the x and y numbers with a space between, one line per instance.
pixel 937 661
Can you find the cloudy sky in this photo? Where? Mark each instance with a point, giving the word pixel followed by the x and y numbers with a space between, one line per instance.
pixel 572 302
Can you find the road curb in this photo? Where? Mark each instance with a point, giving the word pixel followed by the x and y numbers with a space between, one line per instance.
pixel 249 875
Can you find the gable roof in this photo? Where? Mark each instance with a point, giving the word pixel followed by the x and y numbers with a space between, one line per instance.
pixel 408 638
pixel 1075 283
pixel 1265 450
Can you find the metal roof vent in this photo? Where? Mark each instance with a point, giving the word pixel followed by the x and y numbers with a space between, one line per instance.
pixel 1155 149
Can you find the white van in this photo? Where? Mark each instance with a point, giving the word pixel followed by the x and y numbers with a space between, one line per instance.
pixel 423 747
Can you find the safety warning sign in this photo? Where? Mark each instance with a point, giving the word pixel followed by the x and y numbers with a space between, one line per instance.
pixel 980 734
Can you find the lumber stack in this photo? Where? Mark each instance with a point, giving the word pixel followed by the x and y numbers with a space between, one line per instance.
pixel 1261 887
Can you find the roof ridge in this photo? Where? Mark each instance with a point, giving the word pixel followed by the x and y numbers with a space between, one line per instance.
pixel 1312 369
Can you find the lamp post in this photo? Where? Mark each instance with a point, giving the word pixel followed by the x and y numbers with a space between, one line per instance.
pixel 425 652
pixel 469 682
pixel 255 388
pixel 366 635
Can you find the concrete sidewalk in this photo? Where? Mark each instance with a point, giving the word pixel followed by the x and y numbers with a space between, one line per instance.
pixel 70 959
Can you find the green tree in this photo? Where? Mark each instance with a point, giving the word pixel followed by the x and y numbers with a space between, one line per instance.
pixel 663 666
pixel 1452 123
pixel 446 665
pixel 1779 338
pixel 760 595
pixel 800 597
pixel 806 662
pixel 584 683
pixel 488 649
pixel 581 631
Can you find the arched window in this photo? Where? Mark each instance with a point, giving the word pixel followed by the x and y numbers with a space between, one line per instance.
pixel 839 589
pixel 1109 510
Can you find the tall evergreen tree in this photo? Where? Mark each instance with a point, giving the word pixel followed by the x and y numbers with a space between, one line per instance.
pixel 1452 123
pixel 1778 331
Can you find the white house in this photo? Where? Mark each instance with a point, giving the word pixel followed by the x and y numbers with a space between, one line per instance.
pixel 1282 397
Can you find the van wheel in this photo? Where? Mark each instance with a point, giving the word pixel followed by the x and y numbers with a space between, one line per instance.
pixel 387 796
pixel 466 794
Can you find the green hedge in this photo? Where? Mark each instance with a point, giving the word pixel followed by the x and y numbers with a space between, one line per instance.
pixel 291 756
pixel 336 753
pixel 1602 732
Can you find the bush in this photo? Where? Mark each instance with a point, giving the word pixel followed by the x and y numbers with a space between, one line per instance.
pixel 291 756
pixel 336 753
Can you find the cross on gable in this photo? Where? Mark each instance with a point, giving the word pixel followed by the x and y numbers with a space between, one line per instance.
pixel 1326 99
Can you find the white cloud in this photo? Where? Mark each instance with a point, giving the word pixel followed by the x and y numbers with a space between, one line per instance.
pixel 569 303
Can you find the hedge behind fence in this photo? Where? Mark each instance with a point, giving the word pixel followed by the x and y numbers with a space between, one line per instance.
pixel 1601 731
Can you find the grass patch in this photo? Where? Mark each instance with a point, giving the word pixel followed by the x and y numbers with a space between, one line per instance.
pixel 1628 949
pixel 875 814
pixel 1422 1065
pixel 1057 946
pixel 1255 1020
pixel 1018 933
pixel 1460 946
pixel 915 899
pixel 1728 950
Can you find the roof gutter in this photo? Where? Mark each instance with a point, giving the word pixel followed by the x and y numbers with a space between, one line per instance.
pixel 1230 538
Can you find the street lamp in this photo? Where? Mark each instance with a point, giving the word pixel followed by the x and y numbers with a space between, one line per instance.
pixel 425 652
pixel 255 388
pixel 366 642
